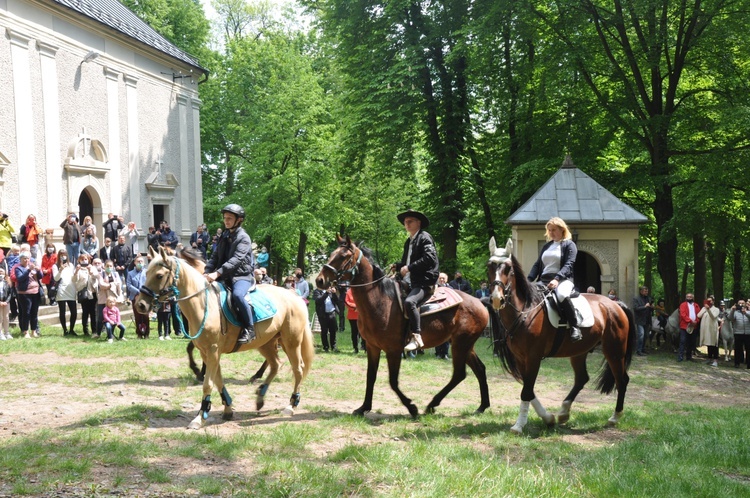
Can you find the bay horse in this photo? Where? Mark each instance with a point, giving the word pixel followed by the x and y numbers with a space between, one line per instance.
pixel 529 337
pixel 171 278
pixel 382 325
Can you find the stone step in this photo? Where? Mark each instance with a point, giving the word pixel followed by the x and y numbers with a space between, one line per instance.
pixel 49 315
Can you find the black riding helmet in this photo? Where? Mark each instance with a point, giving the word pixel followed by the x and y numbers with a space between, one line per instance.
pixel 236 210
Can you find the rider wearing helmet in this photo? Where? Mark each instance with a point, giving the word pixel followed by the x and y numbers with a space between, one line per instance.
pixel 232 262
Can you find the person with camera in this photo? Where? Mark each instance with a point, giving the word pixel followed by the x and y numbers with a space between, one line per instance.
pixel 27 285
pixel 112 226
pixel 48 262
pixel 131 234
pixel 199 240
pixel 71 236
pixel 739 316
pixel 689 321
pixel 30 233
pixel 167 237
pixel 325 308
pixel 63 273
pixel 152 238
pixel 86 278
pixel 90 244
pixel 6 233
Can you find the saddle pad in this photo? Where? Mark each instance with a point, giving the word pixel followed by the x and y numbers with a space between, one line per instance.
pixel 263 307
pixel 442 299
pixel 582 306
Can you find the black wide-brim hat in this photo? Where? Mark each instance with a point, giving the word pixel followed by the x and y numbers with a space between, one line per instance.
pixel 414 214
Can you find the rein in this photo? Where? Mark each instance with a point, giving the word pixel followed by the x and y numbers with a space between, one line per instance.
pixel 521 315
pixel 352 270
pixel 172 294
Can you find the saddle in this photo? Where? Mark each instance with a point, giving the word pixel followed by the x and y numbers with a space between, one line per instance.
pixel 583 311
pixel 262 306
pixel 442 298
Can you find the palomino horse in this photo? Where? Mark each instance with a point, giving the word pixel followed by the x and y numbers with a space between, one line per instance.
pixel 382 325
pixel 529 337
pixel 169 277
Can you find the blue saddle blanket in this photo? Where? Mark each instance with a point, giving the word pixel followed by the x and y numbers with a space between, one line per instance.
pixel 263 307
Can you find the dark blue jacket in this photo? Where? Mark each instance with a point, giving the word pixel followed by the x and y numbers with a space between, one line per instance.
pixel 568 251
pixel 233 258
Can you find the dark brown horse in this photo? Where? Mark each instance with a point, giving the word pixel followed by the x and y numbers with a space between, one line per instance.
pixel 528 337
pixel 383 326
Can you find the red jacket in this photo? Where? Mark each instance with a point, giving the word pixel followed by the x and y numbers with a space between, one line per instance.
pixel 685 315
pixel 48 261
pixel 351 308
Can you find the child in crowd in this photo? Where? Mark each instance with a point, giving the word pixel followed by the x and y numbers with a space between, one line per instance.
pixel 111 317
pixel 162 316
pixel 5 295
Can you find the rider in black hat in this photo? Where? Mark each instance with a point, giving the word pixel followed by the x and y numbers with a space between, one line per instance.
pixel 418 267
pixel 232 262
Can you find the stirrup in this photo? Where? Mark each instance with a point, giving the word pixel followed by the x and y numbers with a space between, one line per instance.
pixel 247 334
pixel 575 334
pixel 415 343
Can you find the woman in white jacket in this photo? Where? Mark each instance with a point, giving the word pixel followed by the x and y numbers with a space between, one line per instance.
pixel 63 272
pixel 709 327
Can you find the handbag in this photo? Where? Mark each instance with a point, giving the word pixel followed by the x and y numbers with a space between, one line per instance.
pixel 85 294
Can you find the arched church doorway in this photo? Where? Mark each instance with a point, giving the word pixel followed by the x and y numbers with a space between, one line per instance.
pixel 85 205
pixel 587 273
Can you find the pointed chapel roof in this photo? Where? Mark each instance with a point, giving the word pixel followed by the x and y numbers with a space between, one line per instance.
pixel 575 197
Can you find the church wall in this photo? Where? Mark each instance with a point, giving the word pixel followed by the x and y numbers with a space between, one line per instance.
pixel 85 100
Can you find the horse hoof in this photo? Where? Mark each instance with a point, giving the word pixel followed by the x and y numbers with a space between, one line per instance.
pixel 480 410
pixel 429 410
pixel 288 411
pixel 259 404
pixel 563 418
pixel 550 421
pixel 360 412
pixel 197 423
pixel 413 411
pixel 516 430
pixel 228 415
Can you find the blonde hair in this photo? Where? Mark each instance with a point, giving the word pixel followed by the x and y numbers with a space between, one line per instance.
pixel 111 300
pixel 558 222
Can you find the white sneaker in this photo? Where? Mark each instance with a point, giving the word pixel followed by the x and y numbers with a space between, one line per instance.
pixel 415 343
pixel 161 337
pixel 27 336
pixel 168 338
pixel 2 337
pixel 123 339
pixel 110 341
pixel 715 364
pixel 8 336
pixel 36 333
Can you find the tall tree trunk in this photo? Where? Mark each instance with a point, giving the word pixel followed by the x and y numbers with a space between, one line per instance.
pixel 737 274
pixel 699 262
pixel 301 251
pixel 718 259
pixel 648 264
pixel 685 273
pixel 482 193
pixel 666 246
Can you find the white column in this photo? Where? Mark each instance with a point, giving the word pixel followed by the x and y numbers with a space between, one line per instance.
pixel 197 159
pixel 19 56
pixel 134 161
pixel 113 137
pixel 186 225
pixel 52 158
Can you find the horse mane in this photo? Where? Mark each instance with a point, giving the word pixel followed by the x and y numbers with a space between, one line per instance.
pixel 385 285
pixel 193 257
pixel 528 292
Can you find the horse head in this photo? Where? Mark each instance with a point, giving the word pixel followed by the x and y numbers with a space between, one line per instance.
pixel 160 278
pixel 342 265
pixel 499 270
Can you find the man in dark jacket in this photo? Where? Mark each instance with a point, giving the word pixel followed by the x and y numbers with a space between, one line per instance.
pixel 232 263
pixel 122 256
pixel 643 309
pixel 167 238
pixel 459 283
pixel 112 226
pixel 418 267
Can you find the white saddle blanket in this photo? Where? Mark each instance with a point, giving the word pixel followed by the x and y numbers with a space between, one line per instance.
pixel 583 310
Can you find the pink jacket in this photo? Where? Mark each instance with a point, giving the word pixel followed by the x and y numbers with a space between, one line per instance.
pixel 111 315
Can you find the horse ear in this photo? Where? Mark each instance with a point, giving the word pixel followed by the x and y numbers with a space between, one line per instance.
pixel 162 252
pixel 151 252
pixel 493 246
pixel 509 247
pixel 348 241
pixel 339 239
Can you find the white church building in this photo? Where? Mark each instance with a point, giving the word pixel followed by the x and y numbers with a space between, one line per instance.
pixel 98 114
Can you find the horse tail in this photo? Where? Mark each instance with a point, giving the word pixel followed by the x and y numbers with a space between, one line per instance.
pixel 500 345
pixel 606 381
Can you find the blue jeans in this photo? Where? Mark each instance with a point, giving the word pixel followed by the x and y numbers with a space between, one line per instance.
pixel 73 250
pixel 686 345
pixel 239 291
pixel 641 337
pixel 110 329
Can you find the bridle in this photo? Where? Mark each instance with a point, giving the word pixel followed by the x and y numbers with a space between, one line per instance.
pixel 170 292
pixel 350 267
pixel 521 315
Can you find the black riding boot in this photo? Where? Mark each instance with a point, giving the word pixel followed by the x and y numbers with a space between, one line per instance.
pixel 570 314
pixel 247 334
